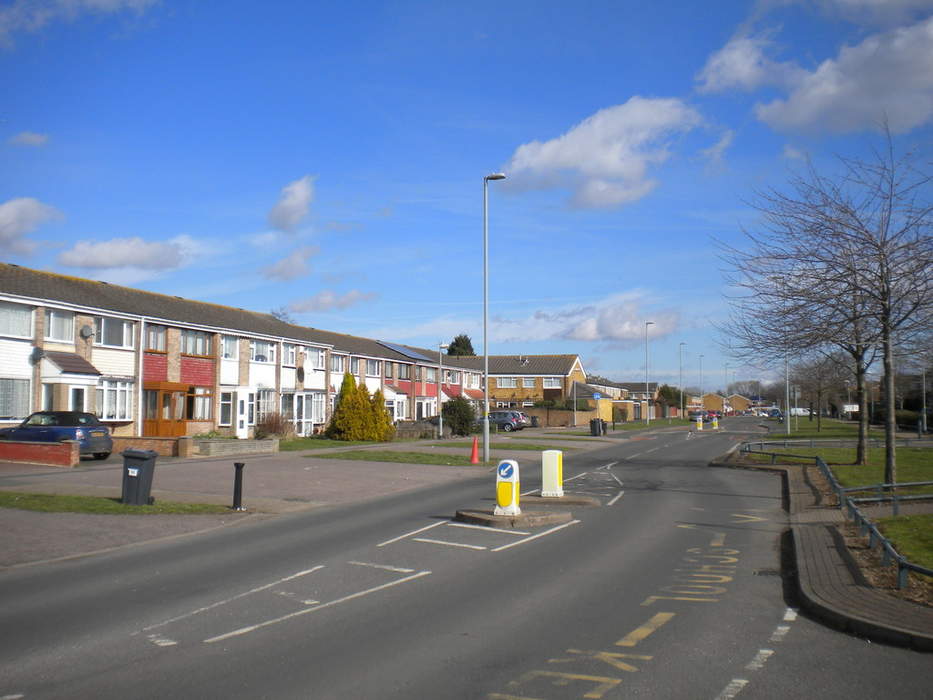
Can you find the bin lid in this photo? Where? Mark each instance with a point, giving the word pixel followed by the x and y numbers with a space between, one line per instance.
pixel 139 454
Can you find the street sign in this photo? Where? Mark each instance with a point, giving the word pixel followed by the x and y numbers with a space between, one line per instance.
pixel 597 395
pixel 505 470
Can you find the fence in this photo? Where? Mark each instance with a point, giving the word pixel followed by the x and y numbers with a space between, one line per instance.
pixel 849 505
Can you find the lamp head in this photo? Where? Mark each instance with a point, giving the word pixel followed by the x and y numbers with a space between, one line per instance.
pixel 495 176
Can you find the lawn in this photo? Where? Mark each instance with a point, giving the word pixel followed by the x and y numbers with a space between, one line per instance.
pixel 49 503
pixel 805 429
pixel 400 457
pixel 912 536
pixel 498 445
pixel 319 443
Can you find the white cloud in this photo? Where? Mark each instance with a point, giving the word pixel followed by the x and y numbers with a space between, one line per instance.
pixel 33 15
pixel 19 217
pixel 887 76
pixel 715 152
pixel 741 64
pixel 29 138
pixel 293 204
pixel 133 252
pixel 292 266
pixel 879 12
pixel 328 301
pixel 792 153
pixel 605 158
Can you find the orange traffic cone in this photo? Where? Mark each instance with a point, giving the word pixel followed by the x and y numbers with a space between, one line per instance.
pixel 474 457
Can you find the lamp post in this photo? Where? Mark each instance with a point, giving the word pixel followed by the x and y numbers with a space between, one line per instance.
pixel 647 391
pixel 725 391
pixel 682 380
pixel 440 389
pixel 701 381
pixel 486 179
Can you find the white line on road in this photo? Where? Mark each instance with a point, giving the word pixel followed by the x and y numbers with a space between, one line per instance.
pixel 409 534
pixel 616 498
pixel 576 477
pixel 160 641
pixel 396 569
pixel 616 478
pixel 758 662
pixel 638 454
pixel 489 529
pixel 734 688
pixel 236 597
pixel 609 466
pixel 779 633
pixel 528 493
pixel 790 615
pixel 534 537
pixel 352 596
pixel 449 544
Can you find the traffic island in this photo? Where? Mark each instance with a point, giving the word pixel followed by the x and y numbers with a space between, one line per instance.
pixel 524 519
pixel 565 500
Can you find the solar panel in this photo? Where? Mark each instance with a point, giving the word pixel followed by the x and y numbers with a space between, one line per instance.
pixel 407 352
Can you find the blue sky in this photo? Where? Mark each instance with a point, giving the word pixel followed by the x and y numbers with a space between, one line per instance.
pixel 328 157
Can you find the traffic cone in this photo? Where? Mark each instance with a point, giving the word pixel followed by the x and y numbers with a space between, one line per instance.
pixel 474 457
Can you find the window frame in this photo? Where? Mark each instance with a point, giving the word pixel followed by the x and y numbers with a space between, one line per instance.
pixel 269 359
pixel 506 383
pixel 15 309
pixel 229 340
pixel 25 398
pixel 373 369
pixel 158 332
pixel 102 325
pixel 50 317
pixel 116 391
pixel 192 337
pixel 550 383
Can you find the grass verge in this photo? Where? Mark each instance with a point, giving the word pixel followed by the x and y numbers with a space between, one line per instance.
pixel 318 443
pixel 806 429
pixel 912 536
pixel 399 457
pixel 51 503
pixel 499 445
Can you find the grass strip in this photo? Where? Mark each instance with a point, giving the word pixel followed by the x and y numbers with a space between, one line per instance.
pixel 54 503
pixel 805 429
pixel 318 443
pixel 499 445
pixel 398 457
pixel 912 536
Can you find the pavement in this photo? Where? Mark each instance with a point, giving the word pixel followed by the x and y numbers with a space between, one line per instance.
pixel 828 581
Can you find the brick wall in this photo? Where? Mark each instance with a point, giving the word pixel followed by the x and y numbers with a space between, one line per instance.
pixel 164 446
pixel 54 454
pixel 155 367
pixel 198 371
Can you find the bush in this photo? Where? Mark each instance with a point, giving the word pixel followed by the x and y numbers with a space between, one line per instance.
pixel 459 416
pixel 272 424
pixel 358 416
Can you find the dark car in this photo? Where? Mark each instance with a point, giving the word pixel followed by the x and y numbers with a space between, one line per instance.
pixel 56 426
pixel 506 420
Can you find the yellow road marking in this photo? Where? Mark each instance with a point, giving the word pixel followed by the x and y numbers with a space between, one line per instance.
pixel 609 657
pixel 635 636
pixel 603 684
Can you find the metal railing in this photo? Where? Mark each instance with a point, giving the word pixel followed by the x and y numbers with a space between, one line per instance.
pixel 849 506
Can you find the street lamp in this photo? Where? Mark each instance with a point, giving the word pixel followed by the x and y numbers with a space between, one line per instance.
pixel 682 379
pixel 440 389
pixel 701 381
pixel 486 179
pixel 647 391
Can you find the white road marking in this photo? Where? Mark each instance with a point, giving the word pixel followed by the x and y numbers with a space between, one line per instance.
pixel 534 537
pixel 616 498
pixel 338 601
pixel 162 641
pixel 396 569
pixel 409 534
pixel 12 697
pixel 449 544
pixel 734 688
pixel 609 466
pixel 790 615
pixel 489 529
pixel 779 633
pixel 639 454
pixel 576 477
pixel 236 597
pixel 616 478
pixel 761 657
pixel 654 449
pixel 528 493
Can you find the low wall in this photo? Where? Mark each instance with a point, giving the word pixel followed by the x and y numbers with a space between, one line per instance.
pixel 163 446
pixel 554 418
pixel 53 454
pixel 213 448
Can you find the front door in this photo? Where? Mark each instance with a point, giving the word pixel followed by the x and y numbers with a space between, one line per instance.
pixel 164 409
pixel 244 401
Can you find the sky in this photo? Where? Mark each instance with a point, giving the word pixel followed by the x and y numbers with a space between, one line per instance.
pixel 327 159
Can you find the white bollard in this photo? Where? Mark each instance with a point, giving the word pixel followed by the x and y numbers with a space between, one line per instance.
pixel 507 488
pixel 700 424
pixel 552 474
pixel 715 423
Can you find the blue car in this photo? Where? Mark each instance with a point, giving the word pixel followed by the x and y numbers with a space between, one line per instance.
pixel 56 426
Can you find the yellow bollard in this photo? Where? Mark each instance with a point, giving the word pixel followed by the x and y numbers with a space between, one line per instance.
pixel 700 424
pixel 715 423
pixel 507 488
pixel 552 474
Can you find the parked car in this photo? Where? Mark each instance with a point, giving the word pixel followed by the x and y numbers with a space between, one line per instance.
pixel 506 420
pixel 526 419
pixel 56 426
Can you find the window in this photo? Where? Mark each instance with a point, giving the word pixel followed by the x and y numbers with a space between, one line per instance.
pixel 317 407
pixel 404 371
pixel 372 368
pixel 388 369
pixel 430 374
pixel 288 354
pixel 401 408
pixel 59 325
pixel 14 398
pixel 338 363
pixel 528 382
pixel 155 338
pixel 113 331
pixel 355 366
pixel 226 408
pixel 261 351
pixel 551 383
pixel 78 399
pixel 198 403
pixel 48 394
pixel 452 377
pixel 195 343
pixel 317 357
pixel 231 347
pixel 114 400
pixel 266 402
pixel 15 319
pixel 288 405
pixel 506 382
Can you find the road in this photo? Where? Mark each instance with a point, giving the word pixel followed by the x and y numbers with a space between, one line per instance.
pixel 670 589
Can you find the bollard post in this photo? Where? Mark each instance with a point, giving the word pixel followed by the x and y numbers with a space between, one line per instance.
pixel 238 486
pixel 507 488
pixel 552 474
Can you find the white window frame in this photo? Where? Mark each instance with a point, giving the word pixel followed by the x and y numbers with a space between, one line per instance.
pixel 157 333
pixel 551 383
pixel 506 383
pixel 318 358
pixel 104 324
pixel 372 368
pixel 528 382
pixel 226 399
pixel 230 348
pixel 453 376
pixel 266 403
pixel 430 374
pixel 12 317
pixel 15 398
pixel 268 355
pixel 289 354
pixel 193 341
pixel 338 363
pixel 404 372
pixel 355 366
pixel 115 400
pixel 60 316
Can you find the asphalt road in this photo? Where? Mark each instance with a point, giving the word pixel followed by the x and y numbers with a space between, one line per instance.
pixel 669 589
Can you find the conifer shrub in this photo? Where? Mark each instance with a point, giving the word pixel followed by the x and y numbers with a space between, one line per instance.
pixel 459 416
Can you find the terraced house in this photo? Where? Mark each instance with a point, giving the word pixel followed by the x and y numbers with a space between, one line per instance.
pixel 156 365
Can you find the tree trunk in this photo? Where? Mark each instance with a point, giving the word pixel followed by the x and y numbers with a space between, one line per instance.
pixel 861 449
pixel 890 420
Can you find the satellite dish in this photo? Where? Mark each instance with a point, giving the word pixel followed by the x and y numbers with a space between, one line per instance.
pixel 37 354
pixel 86 331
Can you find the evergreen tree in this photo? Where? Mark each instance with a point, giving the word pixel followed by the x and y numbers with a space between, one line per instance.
pixel 459 416
pixel 348 422
pixel 385 431
pixel 368 428
pixel 461 345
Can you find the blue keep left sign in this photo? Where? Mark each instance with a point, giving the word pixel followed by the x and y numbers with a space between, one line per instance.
pixel 505 470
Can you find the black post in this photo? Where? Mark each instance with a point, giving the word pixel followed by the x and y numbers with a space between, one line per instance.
pixel 238 486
